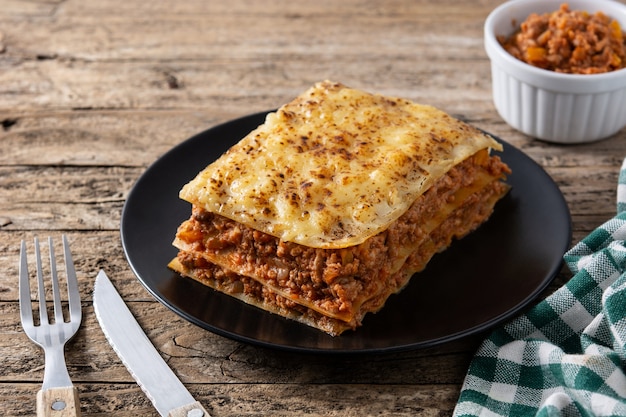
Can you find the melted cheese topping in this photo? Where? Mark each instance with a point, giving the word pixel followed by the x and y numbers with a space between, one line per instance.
pixel 335 166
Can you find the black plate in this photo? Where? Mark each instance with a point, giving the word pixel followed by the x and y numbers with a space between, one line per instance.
pixel 480 281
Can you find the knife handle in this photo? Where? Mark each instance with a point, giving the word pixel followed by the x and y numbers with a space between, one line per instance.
pixel 58 402
pixel 194 409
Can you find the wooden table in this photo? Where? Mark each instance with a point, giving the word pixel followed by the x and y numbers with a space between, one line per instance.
pixel 91 93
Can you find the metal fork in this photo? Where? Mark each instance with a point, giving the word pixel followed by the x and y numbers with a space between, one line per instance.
pixel 57 397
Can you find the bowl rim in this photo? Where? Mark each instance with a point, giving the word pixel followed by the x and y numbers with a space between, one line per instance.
pixel 547 79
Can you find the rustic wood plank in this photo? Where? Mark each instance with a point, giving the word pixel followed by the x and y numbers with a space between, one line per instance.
pixel 100 138
pixel 126 31
pixel 203 66
pixel 232 86
pixel 127 400
pixel 133 9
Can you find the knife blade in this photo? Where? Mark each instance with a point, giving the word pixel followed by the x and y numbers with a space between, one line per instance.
pixel 168 395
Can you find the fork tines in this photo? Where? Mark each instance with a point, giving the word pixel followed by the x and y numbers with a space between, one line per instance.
pixel 73 297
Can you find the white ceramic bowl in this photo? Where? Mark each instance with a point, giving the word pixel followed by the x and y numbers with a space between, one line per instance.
pixel 555 107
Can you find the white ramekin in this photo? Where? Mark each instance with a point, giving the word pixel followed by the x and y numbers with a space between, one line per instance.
pixel 555 107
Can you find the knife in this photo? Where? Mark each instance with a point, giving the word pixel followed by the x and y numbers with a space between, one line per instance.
pixel 145 364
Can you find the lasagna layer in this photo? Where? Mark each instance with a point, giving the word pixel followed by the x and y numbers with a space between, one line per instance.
pixel 333 289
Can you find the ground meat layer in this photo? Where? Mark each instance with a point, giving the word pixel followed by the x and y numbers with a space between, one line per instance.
pixel 253 292
pixel 569 41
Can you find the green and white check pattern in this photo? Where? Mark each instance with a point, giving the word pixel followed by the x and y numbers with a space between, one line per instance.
pixel 567 355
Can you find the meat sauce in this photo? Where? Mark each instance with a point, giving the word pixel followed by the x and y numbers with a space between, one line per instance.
pixel 569 41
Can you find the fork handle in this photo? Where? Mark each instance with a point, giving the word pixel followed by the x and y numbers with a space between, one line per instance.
pixel 58 402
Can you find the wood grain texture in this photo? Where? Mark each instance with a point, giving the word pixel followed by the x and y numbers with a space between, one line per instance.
pixel 92 93
pixel 58 402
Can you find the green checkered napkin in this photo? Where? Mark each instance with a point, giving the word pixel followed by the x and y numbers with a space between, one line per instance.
pixel 567 355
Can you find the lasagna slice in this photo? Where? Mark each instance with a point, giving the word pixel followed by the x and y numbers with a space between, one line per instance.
pixel 334 202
